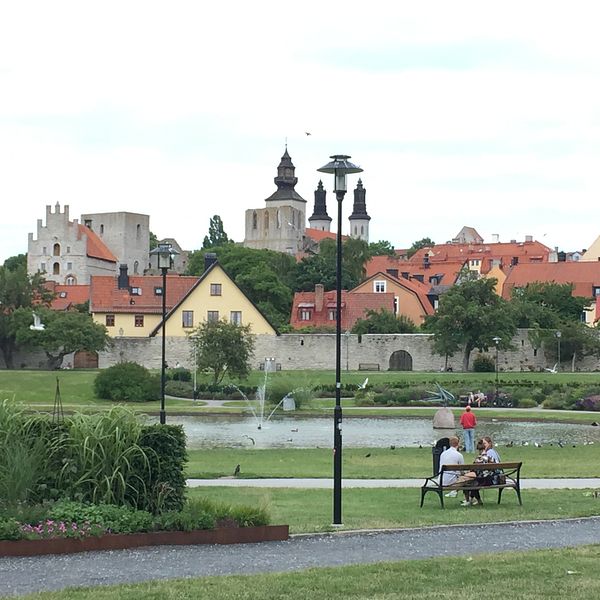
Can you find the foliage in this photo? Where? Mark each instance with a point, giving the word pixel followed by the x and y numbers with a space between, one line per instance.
pixel 216 234
pixel 127 382
pixel 179 389
pixel 384 321
pixel 588 403
pixel 153 241
pixel 223 347
pixel 164 481
pixel 10 529
pixel 422 243
pixel 64 332
pixel 484 364
pixel 14 263
pixel 265 277
pixel 381 248
pixel 242 515
pixel 178 374
pixel 470 315
pixel 18 291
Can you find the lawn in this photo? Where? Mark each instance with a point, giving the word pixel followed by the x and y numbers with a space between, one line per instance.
pixel 383 463
pixel 568 573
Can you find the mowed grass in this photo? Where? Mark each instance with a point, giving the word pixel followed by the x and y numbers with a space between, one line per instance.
pixel 382 463
pixel 310 510
pixel 569 573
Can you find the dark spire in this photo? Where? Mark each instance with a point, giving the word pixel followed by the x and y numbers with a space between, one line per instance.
pixel 286 180
pixel 359 210
pixel 320 212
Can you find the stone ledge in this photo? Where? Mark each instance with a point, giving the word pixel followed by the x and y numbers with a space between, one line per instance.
pixel 221 535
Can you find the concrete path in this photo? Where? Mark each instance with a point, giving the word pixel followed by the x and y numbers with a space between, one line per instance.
pixel 19 576
pixel 526 484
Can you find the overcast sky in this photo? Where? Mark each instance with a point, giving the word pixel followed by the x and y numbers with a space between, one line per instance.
pixel 477 113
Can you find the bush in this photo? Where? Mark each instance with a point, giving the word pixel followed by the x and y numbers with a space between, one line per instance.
pixel 588 403
pixel 179 389
pixel 179 374
pixel 127 382
pixel 10 529
pixel 527 403
pixel 484 364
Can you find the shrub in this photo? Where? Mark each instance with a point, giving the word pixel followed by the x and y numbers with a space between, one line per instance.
pixel 588 403
pixel 179 389
pixel 179 374
pixel 484 364
pixel 127 382
pixel 527 403
pixel 10 529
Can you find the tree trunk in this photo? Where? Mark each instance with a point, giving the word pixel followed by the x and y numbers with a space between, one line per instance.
pixel 466 357
pixel 7 353
pixel 54 362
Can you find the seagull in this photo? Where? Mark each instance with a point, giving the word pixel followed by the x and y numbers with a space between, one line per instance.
pixel 236 471
pixel 37 324
pixel 308 133
pixel 250 438
pixel 553 369
pixel 367 455
pixel 294 430
pixel 363 385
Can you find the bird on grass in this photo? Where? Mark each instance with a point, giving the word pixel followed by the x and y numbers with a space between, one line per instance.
pixel 367 455
pixel 553 369
pixel 236 471
pixel 250 438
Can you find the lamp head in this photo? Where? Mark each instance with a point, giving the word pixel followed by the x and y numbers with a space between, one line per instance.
pixel 340 166
pixel 165 253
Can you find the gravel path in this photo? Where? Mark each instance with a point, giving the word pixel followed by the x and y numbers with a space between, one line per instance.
pixel 20 576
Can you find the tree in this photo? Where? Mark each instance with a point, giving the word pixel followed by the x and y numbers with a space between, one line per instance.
pixel 422 243
pixel 381 248
pixel 153 241
pixel 384 321
pixel 223 347
pixel 63 333
pixel 216 234
pixel 470 315
pixel 17 290
pixel 15 262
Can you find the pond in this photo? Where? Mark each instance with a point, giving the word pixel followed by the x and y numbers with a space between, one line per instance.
pixel 289 432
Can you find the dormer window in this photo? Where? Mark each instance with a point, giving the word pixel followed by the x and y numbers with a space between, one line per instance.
pixel 158 291
pixel 136 291
pixel 379 287
pixel 62 295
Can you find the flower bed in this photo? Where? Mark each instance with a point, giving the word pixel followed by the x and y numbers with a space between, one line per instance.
pixel 219 535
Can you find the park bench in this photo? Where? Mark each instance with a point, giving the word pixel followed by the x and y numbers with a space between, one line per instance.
pixel 510 477
pixel 368 366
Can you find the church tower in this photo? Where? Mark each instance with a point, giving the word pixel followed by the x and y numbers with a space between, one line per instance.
pixel 359 219
pixel 280 226
pixel 320 219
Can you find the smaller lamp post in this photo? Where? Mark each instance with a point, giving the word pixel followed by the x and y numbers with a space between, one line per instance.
pixel 497 340
pixel 347 335
pixel 164 253
pixel 558 336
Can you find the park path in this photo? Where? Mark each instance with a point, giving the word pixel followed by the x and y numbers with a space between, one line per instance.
pixel 24 575
pixel 526 484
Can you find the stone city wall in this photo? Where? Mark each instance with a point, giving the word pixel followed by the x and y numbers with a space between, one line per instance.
pixel 317 351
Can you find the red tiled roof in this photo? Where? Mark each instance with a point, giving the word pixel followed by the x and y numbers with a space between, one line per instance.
pixel 105 296
pixel 67 295
pixel 584 276
pixel 96 248
pixel 354 306
pixel 445 272
pixel 503 252
pixel 318 235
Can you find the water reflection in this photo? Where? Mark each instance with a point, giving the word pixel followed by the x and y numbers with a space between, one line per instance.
pixel 288 432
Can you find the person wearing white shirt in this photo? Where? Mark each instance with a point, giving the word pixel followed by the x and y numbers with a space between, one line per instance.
pixel 451 456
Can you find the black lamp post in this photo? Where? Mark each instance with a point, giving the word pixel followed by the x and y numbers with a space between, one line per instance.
pixel 497 340
pixel 558 335
pixel 340 167
pixel 164 254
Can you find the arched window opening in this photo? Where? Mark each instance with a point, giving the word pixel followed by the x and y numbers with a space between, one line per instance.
pixel 56 269
pixel 254 220
pixel 266 220
pixel 138 231
pixel 136 266
pixel 56 250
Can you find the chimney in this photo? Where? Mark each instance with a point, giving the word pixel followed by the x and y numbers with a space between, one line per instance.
pixel 210 258
pixel 529 238
pixel 123 279
pixel 495 238
pixel 319 295
pixel 426 261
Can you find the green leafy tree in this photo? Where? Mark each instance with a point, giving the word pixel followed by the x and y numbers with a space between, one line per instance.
pixel 422 243
pixel 384 321
pixel 216 234
pixel 63 333
pixel 469 316
pixel 17 290
pixel 223 348
pixel 577 340
pixel 153 241
pixel 15 262
pixel 381 248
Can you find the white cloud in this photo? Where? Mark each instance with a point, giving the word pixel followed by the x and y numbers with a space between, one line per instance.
pixel 462 113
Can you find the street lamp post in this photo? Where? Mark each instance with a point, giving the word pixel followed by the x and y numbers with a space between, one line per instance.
pixel 164 254
pixel 497 340
pixel 347 334
pixel 558 336
pixel 339 167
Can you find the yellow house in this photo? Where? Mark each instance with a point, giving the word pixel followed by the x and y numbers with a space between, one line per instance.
pixel 131 306
pixel 497 273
